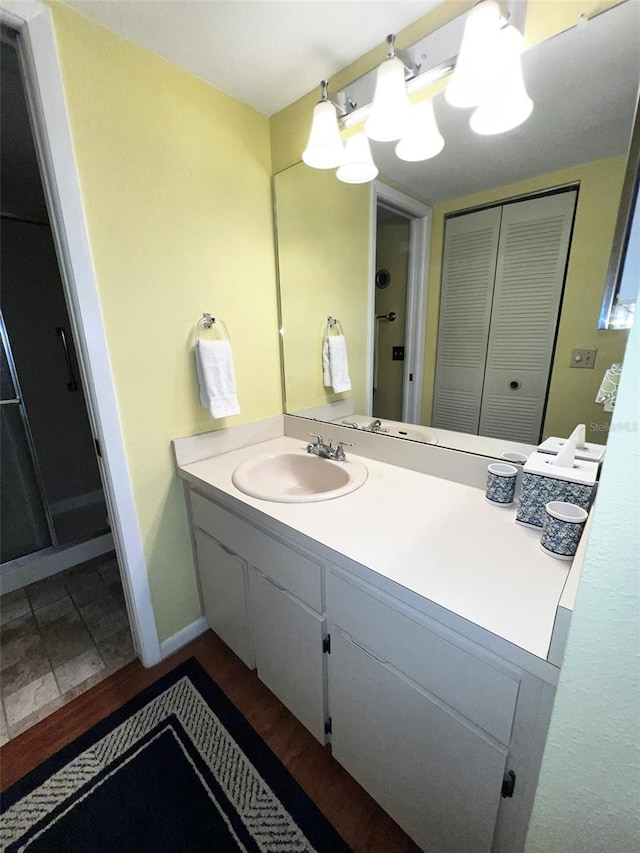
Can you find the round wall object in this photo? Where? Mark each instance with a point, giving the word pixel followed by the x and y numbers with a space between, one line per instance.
pixel 383 279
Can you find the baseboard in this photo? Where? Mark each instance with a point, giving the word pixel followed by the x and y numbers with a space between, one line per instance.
pixel 35 567
pixel 177 641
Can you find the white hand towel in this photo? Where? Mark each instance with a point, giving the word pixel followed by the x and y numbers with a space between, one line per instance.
pixel 335 347
pixel 214 365
pixel 326 365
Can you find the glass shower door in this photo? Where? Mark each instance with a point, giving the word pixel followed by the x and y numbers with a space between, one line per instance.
pixel 24 524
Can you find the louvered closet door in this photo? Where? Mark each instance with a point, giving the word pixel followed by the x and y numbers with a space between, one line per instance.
pixel 468 273
pixel 532 260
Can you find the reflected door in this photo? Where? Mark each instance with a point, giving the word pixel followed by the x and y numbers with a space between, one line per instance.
pixel 503 276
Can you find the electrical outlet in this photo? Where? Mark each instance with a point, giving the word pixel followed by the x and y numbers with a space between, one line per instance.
pixel 397 353
pixel 583 358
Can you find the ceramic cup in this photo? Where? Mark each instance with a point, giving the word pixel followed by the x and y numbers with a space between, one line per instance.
pixel 516 458
pixel 562 528
pixel 501 483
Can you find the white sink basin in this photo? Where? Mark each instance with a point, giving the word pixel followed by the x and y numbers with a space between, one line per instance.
pixel 298 477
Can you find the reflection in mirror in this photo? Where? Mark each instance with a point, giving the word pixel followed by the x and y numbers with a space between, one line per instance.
pixel 563 169
pixel 622 288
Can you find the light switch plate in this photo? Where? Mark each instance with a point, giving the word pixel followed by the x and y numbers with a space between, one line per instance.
pixel 583 358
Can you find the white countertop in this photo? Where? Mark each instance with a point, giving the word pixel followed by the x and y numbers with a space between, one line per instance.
pixel 437 538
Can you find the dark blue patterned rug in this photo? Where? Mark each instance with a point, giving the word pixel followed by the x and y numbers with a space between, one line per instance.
pixel 176 769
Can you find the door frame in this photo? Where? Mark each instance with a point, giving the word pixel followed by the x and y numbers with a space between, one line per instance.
pixel 419 216
pixel 54 145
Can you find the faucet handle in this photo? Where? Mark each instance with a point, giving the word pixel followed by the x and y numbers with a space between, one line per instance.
pixel 317 437
pixel 339 452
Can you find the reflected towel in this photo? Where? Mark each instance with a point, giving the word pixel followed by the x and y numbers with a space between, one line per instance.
pixel 335 365
pixel 609 388
pixel 216 379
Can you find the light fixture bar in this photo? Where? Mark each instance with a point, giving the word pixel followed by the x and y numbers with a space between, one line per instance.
pixel 432 58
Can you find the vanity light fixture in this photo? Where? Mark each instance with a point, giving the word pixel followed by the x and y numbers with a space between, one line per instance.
pixel 505 104
pixel 324 149
pixel 472 74
pixel 389 114
pixel 487 75
pixel 358 166
pixel 422 139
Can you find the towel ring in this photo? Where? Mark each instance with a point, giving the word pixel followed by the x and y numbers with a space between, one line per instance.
pixel 209 323
pixel 332 323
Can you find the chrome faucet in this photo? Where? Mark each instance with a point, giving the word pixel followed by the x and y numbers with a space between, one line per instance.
pixel 375 426
pixel 328 451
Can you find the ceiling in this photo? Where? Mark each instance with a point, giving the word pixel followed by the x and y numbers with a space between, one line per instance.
pixel 266 53
pixel 584 86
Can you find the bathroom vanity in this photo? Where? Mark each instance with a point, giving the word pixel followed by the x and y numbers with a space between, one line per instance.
pixel 409 624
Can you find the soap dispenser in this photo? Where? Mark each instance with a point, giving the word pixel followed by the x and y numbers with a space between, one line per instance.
pixel 548 478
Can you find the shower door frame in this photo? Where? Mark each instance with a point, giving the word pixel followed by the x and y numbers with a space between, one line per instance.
pixel 44 91
pixel 24 417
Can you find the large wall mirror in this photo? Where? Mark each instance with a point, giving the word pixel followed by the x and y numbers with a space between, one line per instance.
pixel 480 362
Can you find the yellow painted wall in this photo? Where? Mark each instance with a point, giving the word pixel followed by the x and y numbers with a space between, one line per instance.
pixel 323 246
pixel 175 178
pixel 573 391
pixel 392 254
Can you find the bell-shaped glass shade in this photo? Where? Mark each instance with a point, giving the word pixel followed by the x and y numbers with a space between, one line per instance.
pixel 506 104
pixel 390 109
pixel 422 139
pixel 473 67
pixel 324 149
pixel 358 166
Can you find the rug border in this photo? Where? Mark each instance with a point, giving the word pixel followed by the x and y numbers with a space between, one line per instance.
pixel 306 814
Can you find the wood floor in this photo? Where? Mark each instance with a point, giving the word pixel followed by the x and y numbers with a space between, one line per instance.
pixel 361 822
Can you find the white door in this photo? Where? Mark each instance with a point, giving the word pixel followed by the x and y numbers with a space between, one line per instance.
pixel 437 775
pixel 287 637
pixel 468 275
pixel 532 261
pixel 502 280
pixel 222 584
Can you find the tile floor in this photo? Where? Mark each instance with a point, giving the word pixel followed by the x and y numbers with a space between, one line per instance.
pixel 59 637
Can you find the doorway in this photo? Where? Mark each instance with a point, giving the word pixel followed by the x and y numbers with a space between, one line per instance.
pixel 64 617
pixel 32 27
pixel 399 257
pixel 52 494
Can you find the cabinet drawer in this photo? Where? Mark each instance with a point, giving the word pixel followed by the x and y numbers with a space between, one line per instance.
pixel 290 569
pixel 472 686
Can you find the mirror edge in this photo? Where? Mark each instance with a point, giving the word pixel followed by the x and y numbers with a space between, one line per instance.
pixel 623 224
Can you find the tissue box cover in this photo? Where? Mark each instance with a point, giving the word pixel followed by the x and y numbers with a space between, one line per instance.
pixel 543 482
pixel 537 491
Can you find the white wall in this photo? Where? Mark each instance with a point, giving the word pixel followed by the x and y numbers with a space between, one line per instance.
pixel 588 797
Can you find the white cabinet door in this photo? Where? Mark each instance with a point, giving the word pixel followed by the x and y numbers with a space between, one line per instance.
pixel 438 776
pixel 287 637
pixel 223 587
